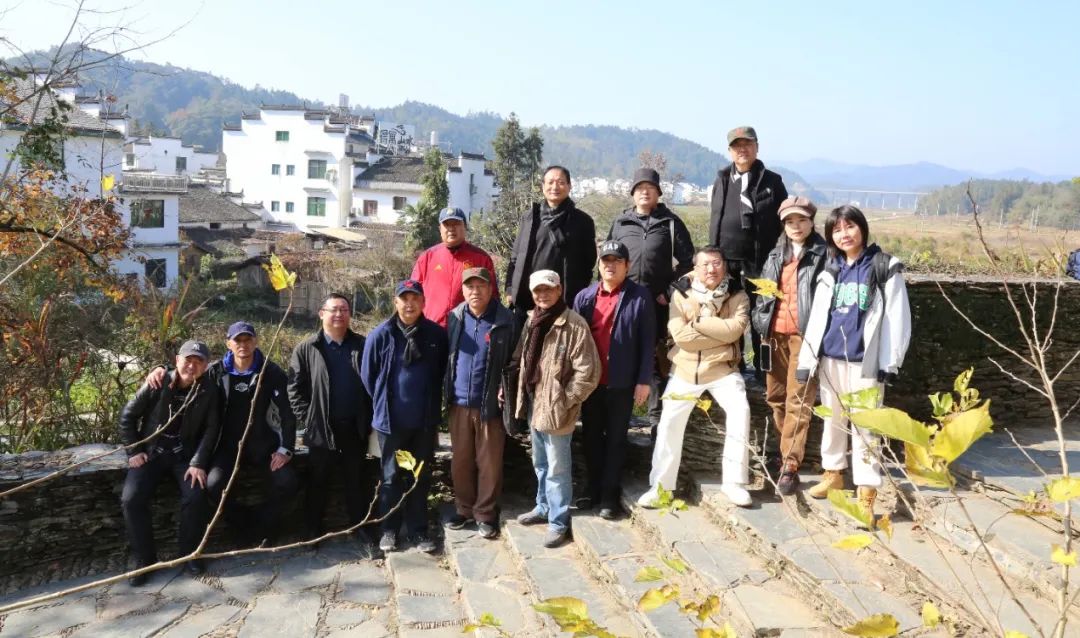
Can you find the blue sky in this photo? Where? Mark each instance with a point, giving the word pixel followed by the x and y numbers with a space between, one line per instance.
pixel 982 86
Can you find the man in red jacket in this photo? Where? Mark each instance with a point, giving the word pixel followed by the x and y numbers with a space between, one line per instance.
pixel 439 268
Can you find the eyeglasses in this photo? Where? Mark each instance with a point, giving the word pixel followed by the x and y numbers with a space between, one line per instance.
pixel 715 264
pixel 339 310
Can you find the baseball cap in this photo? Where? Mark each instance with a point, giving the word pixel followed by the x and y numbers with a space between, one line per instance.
pixel 543 278
pixel 195 348
pixel 800 205
pixel 742 133
pixel 614 248
pixel 409 285
pixel 448 214
pixel 478 271
pixel 240 328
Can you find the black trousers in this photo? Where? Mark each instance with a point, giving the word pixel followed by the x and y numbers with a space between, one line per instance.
pixel 658 383
pixel 348 459
pixel 605 417
pixel 278 489
pixel 747 269
pixel 139 487
pixel 421 443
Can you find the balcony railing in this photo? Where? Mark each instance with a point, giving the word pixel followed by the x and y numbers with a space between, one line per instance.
pixel 152 183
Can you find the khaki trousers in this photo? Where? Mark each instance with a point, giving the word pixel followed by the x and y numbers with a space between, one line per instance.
pixel 792 402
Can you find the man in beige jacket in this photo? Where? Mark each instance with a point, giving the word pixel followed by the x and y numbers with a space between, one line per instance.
pixel 559 370
pixel 707 324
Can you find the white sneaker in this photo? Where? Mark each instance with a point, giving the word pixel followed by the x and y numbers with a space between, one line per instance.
pixel 737 494
pixel 648 500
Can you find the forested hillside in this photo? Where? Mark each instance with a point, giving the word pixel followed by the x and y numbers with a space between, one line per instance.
pixel 1011 202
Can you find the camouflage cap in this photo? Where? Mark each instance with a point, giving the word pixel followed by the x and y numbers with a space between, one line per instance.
pixel 741 133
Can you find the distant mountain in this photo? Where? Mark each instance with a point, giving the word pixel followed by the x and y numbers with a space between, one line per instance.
pixel 920 176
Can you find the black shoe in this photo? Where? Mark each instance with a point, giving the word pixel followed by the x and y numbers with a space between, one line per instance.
pixel 788 482
pixel 195 567
pixel 488 530
pixel 139 580
pixel 584 503
pixel 388 542
pixel 457 521
pixel 609 513
pixel 424 543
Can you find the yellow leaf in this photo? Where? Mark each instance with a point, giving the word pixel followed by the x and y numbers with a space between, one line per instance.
pixel 823 411
pixel 565 607
pixel 675 564
pixel 468 629
pixel 925 470
pixel 895 424
pixel 703 404
pixel 679 505
pixel 405 460
pixel 417 469
pixel 854 542
pixel 1063 489
pixel 654 599
pixel 876 626
pixel 961 431
pixel 708 608
pixel 962 380
pixel 865 399
pixel 708 632
pixel 931 617
pixel 1015 634
pixel 766 288
pixel 842 502
pixel 107 183
pixel 1061 558
pixel 680 397
pixel 280 278
pixel 647 574
pixel 884 524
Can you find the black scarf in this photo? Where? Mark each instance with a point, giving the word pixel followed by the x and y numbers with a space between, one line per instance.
pixel 412 341
pixel 539 327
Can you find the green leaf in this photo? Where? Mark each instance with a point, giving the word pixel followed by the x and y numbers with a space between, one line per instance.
pixel 854 542
pixel 931 617
pixel 564 607
pixel 961 431
pixel 657 598
pixel 679 505
pixel 876 626
pixel 942 403
pixel 675 564
pixel 405 460
pixel 1063 489
pixel 865 399
pixel 924 469
pixel 962 380
pixel 842 502
pixel 895 424
pixel 489 620
pixel 823 411
pixel 648 574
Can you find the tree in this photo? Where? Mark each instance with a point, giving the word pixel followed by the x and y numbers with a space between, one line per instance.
pixel 517 164
pixel 422 219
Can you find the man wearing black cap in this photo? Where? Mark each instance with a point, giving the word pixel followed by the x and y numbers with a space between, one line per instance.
pixel 439 268
pixel 183 413
pixel 402 369
pixel 329 400
pixel 660 252
pixel 745 199
pixel 620 317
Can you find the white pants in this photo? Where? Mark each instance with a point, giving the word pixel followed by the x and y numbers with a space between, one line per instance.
pixel 838 377
pixel 730 394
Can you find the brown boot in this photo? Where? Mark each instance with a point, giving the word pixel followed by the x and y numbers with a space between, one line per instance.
pixel 867 496
pixel 830 480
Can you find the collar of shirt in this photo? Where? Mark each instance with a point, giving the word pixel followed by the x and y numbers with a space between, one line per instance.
pixel 614 291
pixel 330 340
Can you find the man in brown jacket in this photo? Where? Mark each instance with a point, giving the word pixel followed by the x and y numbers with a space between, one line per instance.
pixel 559 370
pixel 707 324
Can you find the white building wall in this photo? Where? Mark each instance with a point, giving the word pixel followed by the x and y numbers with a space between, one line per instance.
pixel 480 197
pixel 160 156
pixel 131 263
pixel 166 235
pixel 385 198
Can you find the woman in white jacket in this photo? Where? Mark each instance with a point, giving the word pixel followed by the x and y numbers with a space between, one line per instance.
pixel 856 338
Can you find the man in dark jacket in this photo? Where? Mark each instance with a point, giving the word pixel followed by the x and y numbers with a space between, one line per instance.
pixel 620 317
pixel 744 221
pixel 402 369
pixel 556 236
pixel 660 252
pixel 183 414
pixel 482 336
pixel 329 400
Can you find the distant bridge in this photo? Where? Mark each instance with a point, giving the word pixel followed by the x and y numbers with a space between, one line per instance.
pixel 898 200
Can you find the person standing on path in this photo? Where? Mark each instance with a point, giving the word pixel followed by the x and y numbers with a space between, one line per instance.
pixel 620 316
pixel 559 370
pixel 556 236
pixel 403 364
pixel 439 268
pixel 482 336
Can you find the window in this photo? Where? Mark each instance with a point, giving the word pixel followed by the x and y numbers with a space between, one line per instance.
pixel 281 136
pixel 148 213
pixel 181 164
pixel 316 169
pixel 215 225
pixel 156 272
pixel 399 203
pixel 316 206
pixel 371 207
pixel 129 159
pixel 289 207
pixel 290 169
pixel 275 207
pixel 275 169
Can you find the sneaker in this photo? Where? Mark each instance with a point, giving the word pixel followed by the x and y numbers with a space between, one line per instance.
pixel 830 480
pixel 555 539
pixel 531 518
pixel 789 479
pixel 488 530
pixel 737 494
pixel 388 542
pixel 457 521
pixel 648 500
pixel 424 543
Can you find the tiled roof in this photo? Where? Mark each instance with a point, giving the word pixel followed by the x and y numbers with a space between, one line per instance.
pixel 400 170
pixel 219 243
pixel 474 156
pixel 77 119
pixel 200 205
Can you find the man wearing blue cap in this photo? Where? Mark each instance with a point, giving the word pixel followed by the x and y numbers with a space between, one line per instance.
pixel 439 268
pixel 402 369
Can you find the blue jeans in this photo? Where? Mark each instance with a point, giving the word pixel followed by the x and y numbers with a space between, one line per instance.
pixel 555 486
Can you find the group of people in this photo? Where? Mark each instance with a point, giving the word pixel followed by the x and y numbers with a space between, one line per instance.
pixel 663 323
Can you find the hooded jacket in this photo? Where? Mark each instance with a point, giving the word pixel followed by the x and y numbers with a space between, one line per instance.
pixel 200 422
pixel 811 262
pixel 766 192
pixel 656 258
pixel 707 340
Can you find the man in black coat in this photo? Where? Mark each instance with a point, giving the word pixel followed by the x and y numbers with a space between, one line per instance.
pixel 330 402
pixel 185 410
pixel 744 222
pixel 554 235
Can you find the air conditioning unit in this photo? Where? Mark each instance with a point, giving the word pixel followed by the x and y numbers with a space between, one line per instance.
pixel 331 175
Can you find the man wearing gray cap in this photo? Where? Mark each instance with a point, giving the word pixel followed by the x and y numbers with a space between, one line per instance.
pixel 745 199
pixel 439 268
pixel 182 415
